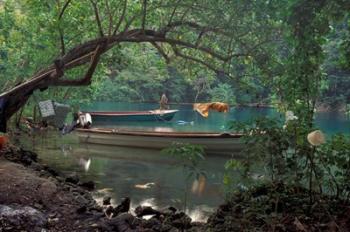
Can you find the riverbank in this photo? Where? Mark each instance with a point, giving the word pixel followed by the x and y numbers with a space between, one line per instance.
pixel 34 197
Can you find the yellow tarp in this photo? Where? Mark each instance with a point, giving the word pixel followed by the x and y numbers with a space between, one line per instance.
pixel 203 108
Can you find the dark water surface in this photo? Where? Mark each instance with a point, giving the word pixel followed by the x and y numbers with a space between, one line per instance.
pixel 147 176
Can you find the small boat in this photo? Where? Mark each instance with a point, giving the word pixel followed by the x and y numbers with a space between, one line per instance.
pixel 115 116
pixel 214 143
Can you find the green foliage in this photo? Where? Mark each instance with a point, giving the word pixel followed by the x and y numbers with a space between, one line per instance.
pixel 334 159
pixel 288 157
pixel 274 55
pixel 268 143
pixel 190 157
pixel 223 93
pixel 234 176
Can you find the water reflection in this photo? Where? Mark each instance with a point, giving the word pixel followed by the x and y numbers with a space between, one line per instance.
pixel 85 163
pixel 163 129
pixel 144 186
pixel 146 176
pixel 198 185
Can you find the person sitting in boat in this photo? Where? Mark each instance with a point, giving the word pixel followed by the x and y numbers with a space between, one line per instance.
pixel 79 120
pixel 163 102
pixel 85 120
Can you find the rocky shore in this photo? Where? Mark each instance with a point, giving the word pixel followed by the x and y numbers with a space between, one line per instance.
pixel 34 197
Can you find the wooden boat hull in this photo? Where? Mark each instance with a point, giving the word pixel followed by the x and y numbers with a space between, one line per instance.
pixel 214 143
pixel 153 115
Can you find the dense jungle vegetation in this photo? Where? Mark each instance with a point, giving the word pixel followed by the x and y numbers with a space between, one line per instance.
pixel 262 40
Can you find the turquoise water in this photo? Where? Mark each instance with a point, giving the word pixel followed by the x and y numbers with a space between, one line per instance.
pixel 330 122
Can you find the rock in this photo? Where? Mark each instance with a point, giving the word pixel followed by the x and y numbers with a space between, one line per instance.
pixel 197 224
pixel 73 178
pixel 106 200
pixel 38 206
pixel 181 221
pixel 29 154
pixel 97 208
pixel 53 220
pixel 101 225
pixel 51 171
pixel 59 179
pixel 52 215
pixel 172 209
pixel 95 226
pixel 35 166
pixel 173 229
pixel 97 215
pixel 44 174
pixel 162 227
pixel 26 160
pixel 89 185
pixel 22 218
pixel 123 207
pixel 124 223
pixel 150 222
pixel 109 211
pixel 82 210
pixel 52 179
pixel 141 211
pixel 81 200
pixel 47 189
pixel 169 210
pixel 26 157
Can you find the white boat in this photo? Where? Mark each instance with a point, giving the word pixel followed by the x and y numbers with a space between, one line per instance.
pixel 215 143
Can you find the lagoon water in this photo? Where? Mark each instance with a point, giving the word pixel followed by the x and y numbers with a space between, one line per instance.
pixel 149 177
pixel 330 122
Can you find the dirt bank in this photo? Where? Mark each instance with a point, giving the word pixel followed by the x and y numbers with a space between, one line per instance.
pixel 26 183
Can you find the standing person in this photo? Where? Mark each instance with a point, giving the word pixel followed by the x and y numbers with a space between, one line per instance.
pixel 163 102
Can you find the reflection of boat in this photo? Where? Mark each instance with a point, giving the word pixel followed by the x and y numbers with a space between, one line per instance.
pixel 215 143
pixel 151 115
pixel 123 154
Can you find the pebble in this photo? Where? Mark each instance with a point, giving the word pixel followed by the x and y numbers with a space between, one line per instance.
pixel 106 200
pixel 73 178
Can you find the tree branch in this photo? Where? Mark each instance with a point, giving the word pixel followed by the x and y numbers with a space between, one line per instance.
pixel 121 19
pixel 161 52
pixel 63 9
pixel 97 16
pixel 110 15
pixel 86 80
pixel 173 13
pixel 144 13
pixel 180 54
pixel 60 30
pixel 197 27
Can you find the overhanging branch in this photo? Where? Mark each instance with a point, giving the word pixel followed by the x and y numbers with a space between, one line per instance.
pixel 86 80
